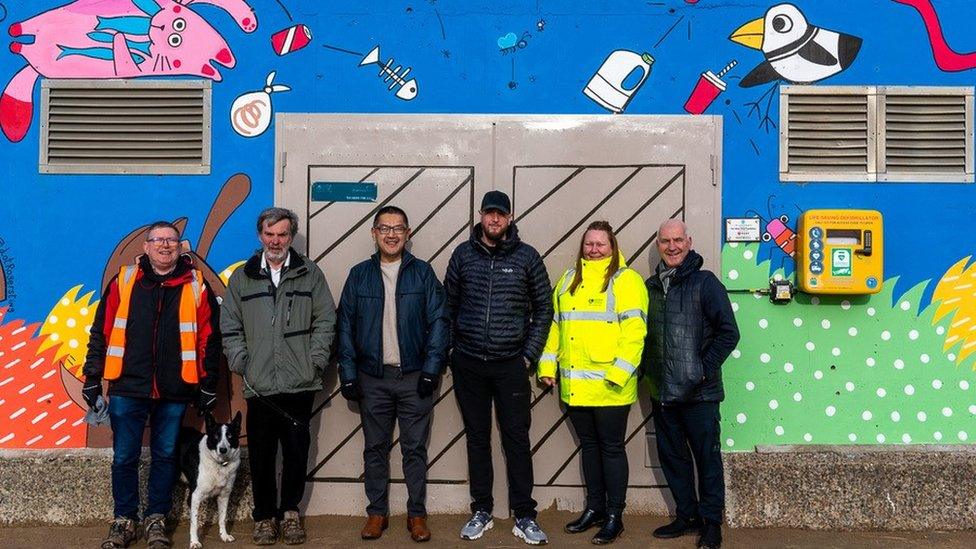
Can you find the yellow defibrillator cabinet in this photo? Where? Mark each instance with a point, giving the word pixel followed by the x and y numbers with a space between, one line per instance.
pixel 840 252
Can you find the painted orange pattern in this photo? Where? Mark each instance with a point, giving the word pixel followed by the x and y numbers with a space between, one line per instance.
pixel 35 409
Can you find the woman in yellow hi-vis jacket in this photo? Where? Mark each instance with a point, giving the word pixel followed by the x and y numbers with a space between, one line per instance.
pixel 594 350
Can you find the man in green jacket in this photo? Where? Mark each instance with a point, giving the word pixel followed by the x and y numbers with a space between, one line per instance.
pixel 278 323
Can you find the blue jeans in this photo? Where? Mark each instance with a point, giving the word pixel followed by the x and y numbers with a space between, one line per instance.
pixel 129 417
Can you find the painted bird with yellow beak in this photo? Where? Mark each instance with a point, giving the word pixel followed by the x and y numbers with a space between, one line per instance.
pixel 795 50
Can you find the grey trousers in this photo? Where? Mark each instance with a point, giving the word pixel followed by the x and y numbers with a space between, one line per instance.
pixel 394 398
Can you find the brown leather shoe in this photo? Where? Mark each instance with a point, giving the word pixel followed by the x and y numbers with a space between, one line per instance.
pixel 375 524
pixel 418 528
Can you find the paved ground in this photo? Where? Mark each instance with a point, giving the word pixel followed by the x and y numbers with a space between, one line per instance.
pixel 344 532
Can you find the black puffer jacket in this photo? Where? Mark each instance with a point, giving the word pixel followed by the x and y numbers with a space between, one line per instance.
pixel 690 333
pixel 499 299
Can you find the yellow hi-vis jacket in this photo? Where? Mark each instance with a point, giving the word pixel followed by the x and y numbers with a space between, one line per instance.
pixel 597 338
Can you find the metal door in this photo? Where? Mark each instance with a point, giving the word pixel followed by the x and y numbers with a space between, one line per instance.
pixel 562 172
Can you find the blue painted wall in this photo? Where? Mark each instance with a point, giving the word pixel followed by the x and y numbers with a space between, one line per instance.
pixel 58 230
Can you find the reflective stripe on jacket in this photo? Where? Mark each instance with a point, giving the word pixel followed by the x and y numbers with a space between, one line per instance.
pixel 597 337
pixel 192 369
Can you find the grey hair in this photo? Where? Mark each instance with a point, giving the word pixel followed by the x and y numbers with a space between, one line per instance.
pixel 272 216
pixel 678 222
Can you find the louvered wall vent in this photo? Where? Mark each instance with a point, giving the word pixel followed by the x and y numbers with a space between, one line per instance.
pixel 868 133
pixel 125 126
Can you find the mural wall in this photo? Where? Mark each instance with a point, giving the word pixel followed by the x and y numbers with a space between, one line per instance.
pixel 893 368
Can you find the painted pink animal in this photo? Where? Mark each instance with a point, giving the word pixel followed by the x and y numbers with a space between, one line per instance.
pixel 115 39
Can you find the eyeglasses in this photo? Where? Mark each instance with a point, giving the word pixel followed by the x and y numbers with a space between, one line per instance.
pixel 163 241
pixel 386 229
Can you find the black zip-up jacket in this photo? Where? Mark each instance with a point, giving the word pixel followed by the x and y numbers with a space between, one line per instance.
pixel 152 360
pixel 499 299
pixel 422 331
pixel 690 333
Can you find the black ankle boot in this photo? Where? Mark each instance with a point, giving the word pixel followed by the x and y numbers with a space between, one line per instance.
pixel 711 535
pixel 679 527
pixel 611 530
pixel 587 520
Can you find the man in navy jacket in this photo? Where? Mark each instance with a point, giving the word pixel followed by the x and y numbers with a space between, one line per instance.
pixel 393 334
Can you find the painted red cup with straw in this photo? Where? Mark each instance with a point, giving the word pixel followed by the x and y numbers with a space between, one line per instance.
pixel 708 88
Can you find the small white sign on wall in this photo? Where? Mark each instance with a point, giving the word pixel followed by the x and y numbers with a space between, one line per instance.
pixel 743 229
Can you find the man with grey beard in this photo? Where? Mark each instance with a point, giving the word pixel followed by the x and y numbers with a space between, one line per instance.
pixel 278 322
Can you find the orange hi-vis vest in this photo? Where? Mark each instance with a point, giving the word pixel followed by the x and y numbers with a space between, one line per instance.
pixel 189 302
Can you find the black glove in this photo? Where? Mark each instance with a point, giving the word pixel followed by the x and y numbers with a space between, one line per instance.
pixel 426 384
pixel 92 390
pixel 351 390
pixel 206 401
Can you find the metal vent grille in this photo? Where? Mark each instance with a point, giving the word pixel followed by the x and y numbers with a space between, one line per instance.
pixel 125 126
pixel 926 135
pixel 827 134
pixel 876 133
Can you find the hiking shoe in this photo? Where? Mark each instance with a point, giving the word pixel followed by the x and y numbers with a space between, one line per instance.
pixel 120 533
pixel 156 537
pixel 292 532
pixel 528 529
pixel 265 532
pixel 476 526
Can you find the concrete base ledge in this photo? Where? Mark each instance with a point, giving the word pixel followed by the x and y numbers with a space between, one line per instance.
pixel 74 487
pixel 927 487
pixel 813 487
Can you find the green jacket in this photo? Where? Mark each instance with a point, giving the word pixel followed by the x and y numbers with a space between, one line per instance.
pixel 279 339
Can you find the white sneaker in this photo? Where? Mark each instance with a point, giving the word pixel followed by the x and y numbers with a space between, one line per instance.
pixel 476 526
pixel 528 529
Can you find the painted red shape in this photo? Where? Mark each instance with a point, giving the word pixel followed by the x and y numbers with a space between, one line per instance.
pixel 15 47
pixel 207 70
pixel 177 63
pixel 946 58
pixel 176 9
pixel 224 56
pixel 14 29
pixel 15 117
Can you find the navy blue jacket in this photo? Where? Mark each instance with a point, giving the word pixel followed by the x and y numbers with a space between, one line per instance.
pixel 499 299
pixel 422 327
pixel 690 333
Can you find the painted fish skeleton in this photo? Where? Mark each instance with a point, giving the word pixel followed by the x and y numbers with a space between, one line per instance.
pixel 115 39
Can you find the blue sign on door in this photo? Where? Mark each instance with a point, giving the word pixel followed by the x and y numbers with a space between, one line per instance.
pixel 340 191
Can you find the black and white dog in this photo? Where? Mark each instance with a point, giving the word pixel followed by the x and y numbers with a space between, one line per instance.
pixel 209 463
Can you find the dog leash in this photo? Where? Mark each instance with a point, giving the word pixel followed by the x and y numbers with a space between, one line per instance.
pixel 267 401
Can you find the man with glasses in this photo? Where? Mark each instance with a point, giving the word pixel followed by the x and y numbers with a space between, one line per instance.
pixel 278 320
pixel 392 339
pixel 156 340
pixel 500 306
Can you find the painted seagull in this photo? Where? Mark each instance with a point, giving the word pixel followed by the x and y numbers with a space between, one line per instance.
pixel 795 50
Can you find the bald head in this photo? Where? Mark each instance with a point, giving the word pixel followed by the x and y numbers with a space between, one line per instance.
pixel 674 224
pixel 673 242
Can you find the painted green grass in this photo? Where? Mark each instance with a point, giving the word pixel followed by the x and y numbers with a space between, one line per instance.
pixel 839 369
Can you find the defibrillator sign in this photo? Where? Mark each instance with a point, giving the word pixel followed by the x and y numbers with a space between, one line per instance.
pixel 840 262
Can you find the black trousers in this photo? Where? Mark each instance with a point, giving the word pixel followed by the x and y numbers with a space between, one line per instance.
pixel 601 431
pixel 693 426
pixel 266 429
pixel 394 398
pixel 478 384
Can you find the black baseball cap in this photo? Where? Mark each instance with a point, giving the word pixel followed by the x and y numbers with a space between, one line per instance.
pixel 496 200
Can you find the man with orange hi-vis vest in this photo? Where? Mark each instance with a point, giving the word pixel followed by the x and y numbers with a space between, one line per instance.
pixel 156 340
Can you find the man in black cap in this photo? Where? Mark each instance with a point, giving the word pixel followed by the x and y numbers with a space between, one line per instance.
pixel 500 308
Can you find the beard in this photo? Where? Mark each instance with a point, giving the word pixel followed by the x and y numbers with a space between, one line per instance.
pixel 275 256
pixel 496 234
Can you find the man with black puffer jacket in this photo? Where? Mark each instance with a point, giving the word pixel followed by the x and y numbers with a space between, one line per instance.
pixel 156 340
pixel 500 306
pixel 691 330
pixel 392 340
